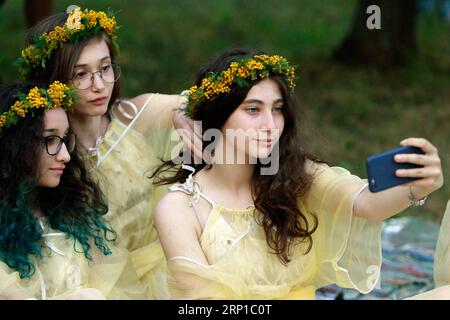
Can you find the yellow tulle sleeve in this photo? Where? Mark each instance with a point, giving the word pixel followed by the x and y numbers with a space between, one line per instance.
pixel 442 254
pixel 348 248
pixel 65 273
pixel 441 272
pixel 151 267
pixel 189 279
pixel 129 153
pixel 155 124
pixel 115 276
pixel 10 287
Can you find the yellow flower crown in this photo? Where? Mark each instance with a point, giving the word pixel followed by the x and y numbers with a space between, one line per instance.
pixel 79 26
pixel 239 72
pixel 55 96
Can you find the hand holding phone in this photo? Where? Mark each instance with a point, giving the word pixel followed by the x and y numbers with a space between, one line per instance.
pixel 381 169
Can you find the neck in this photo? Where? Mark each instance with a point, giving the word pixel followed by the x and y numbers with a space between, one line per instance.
pixel 88 130
pixel 38 212
pixel 236 178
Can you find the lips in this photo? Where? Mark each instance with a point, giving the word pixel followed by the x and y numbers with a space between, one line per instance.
pixel 99 101
pixel 266 142
pixel 265 139
pixel 57 170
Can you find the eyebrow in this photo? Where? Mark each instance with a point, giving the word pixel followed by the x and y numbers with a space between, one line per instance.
pixel 259 101
pixel 53 130
pixel 85 64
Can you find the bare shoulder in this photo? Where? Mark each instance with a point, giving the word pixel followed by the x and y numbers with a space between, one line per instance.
pixel 174 215
pixel 172 207
pixel 177 227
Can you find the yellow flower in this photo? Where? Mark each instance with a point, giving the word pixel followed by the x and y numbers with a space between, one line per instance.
pixel 243 73
pixel 254 65
pixel 31 55
pixel 18 108
pixel 57 34
pixel 73 22
pixel 2 120
pixel 108 24
pixel 275 59
pixel 27 52
pixel 92 17
pixel 36 99
pixel 192 90
pixel 101 15
pixel 57 93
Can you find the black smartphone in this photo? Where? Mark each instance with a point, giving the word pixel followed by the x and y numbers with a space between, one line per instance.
pixel 381 169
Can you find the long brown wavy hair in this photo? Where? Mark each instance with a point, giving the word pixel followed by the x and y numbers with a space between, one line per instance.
pixel 275 196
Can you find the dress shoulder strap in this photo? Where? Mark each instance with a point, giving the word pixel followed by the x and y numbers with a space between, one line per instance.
pixel 191 187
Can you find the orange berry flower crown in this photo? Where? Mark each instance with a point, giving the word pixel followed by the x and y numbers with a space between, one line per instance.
pixel 56 95
pixel 79 26
pixel 240 73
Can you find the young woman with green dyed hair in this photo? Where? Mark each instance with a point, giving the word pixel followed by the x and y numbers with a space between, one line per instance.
pixel 54 240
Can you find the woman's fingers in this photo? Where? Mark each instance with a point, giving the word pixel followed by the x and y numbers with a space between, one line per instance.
pixel 190 133
pixel 430 175
pixel 419 159
pixel 421 143
pixel 193 143
pixel 425 172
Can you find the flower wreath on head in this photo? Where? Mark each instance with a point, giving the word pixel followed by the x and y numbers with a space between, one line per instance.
pixel 79 26
pixel 56 95
pixel 240 73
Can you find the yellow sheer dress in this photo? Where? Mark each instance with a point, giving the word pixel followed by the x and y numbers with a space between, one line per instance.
pixel 442 254
pixel 441 272
pixel 346 250
pixel 123 160
pixel 63 271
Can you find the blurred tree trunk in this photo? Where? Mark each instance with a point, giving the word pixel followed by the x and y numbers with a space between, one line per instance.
pixel 37 10
pixel 385 47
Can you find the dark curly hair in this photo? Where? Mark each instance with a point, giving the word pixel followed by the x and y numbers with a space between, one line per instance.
pixel 275 196
pixel 76 206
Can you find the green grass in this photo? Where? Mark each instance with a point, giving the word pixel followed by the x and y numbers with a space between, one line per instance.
pixel 352 112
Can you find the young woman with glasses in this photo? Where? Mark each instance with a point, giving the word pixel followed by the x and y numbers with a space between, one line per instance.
pixel 123 139
pixel 54 240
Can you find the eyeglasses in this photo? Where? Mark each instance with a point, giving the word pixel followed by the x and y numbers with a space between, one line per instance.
pixel 53 144
pixel 109 73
